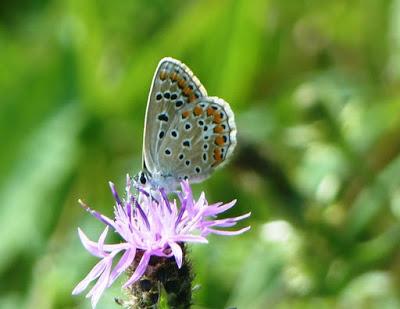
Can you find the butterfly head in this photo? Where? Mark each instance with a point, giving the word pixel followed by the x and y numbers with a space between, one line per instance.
pixel 150 182
pixel 142 179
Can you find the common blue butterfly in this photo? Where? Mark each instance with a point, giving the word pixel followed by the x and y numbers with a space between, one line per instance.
pixel 187 134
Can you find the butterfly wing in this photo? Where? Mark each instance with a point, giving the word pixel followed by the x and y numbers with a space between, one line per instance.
pixel 173 87
pixel 187 134
pixel 200 138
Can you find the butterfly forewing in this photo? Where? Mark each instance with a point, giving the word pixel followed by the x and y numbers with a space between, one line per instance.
pixel 173 87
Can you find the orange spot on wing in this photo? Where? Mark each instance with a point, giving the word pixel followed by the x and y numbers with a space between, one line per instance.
pixel 181 83
pixel 210 111
pixel 174 76
pixel 186 91
pixel 218 129
pixel 217 117
pixel 219 140
pixel 163 75
pixel 197 111
pixel 185 114
pixel 192 97
pixel 217 154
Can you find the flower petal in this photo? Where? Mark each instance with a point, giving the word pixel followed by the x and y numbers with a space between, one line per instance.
pixel 140 269
pixel 189 238
pixel 177 251
pixel 228 233
pixel 216 209
pixel 115 193
pixel 125 261
pixel 142 214
pixel 228 222
pixel 93 274
pixel 101 284
pixel 165 199
pixel 96 214
pixel 92 246
pixel 102 238
pixel 89 245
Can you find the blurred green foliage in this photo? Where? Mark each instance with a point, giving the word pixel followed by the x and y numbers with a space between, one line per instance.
pixel 315 89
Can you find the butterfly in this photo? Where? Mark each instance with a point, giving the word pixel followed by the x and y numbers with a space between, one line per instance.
pixel 187 134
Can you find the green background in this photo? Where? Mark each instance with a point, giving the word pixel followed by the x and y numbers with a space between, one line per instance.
pixel 315 89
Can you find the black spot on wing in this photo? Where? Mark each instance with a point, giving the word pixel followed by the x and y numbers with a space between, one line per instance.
pixel 163 117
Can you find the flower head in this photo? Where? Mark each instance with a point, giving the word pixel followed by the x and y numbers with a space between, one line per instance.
pixel 150 225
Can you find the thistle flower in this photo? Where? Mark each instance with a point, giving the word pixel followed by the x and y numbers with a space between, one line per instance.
pixel 150 225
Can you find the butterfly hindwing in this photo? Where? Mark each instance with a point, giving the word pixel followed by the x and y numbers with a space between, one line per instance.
pixel 199 140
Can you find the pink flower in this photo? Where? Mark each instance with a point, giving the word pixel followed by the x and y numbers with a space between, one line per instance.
pixel 150 225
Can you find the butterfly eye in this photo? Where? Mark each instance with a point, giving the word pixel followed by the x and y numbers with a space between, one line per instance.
pixel 142 179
